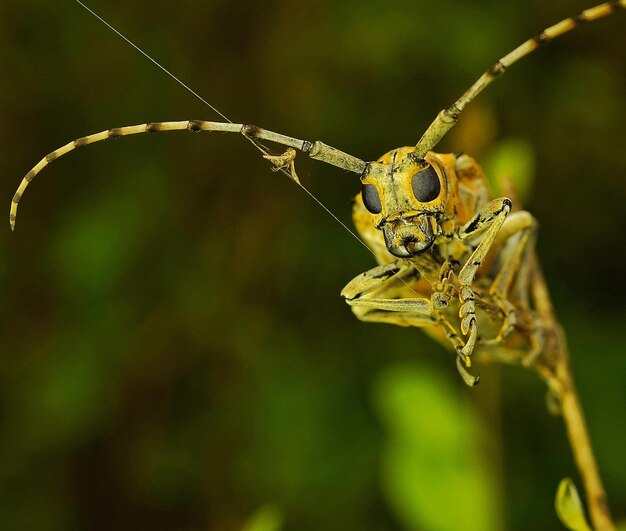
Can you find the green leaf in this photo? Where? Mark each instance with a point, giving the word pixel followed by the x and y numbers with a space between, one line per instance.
pixel 569 507
pixel 435 472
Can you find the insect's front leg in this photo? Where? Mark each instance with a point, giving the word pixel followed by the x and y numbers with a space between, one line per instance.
pixel 490 220
pixel 384 295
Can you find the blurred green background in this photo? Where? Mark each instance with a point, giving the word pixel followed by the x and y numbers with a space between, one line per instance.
pixel 175 353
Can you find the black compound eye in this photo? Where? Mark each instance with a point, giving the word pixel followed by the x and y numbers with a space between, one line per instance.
pixel 426 186
pixel 371 199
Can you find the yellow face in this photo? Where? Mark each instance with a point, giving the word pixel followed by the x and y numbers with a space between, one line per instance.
pixel 406 198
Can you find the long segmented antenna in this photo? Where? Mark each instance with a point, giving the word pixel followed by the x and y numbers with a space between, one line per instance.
pixel 316 150
pixel 283 163
pixel 447 118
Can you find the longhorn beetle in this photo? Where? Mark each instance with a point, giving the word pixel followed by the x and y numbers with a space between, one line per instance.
pixel 444 246
pixel 451 259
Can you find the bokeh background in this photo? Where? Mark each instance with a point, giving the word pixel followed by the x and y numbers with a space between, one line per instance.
pixel 174 351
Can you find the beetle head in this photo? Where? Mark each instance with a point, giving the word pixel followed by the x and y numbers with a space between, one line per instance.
pixel 406 197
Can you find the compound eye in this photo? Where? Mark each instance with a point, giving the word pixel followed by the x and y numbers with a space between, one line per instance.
pixel 426 186
pixel 371 199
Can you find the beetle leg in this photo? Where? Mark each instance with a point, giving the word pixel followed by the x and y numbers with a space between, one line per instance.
pixel 490 219
pixel 518 236
pixel 444 290
pixel 384 291
pixel 508 324
pixel 378 296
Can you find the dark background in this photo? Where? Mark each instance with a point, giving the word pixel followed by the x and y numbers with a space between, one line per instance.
pixel 175 353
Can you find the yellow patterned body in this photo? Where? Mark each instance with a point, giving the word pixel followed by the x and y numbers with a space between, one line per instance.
pixel 475 280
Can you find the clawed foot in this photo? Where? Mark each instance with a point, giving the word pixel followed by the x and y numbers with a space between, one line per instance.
pixel 468 378
pixel 445 289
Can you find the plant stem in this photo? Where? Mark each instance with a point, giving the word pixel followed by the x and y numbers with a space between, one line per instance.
pixel 553 366
pixel 581 446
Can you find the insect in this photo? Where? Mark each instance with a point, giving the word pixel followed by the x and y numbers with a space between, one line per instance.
pixel 452 260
